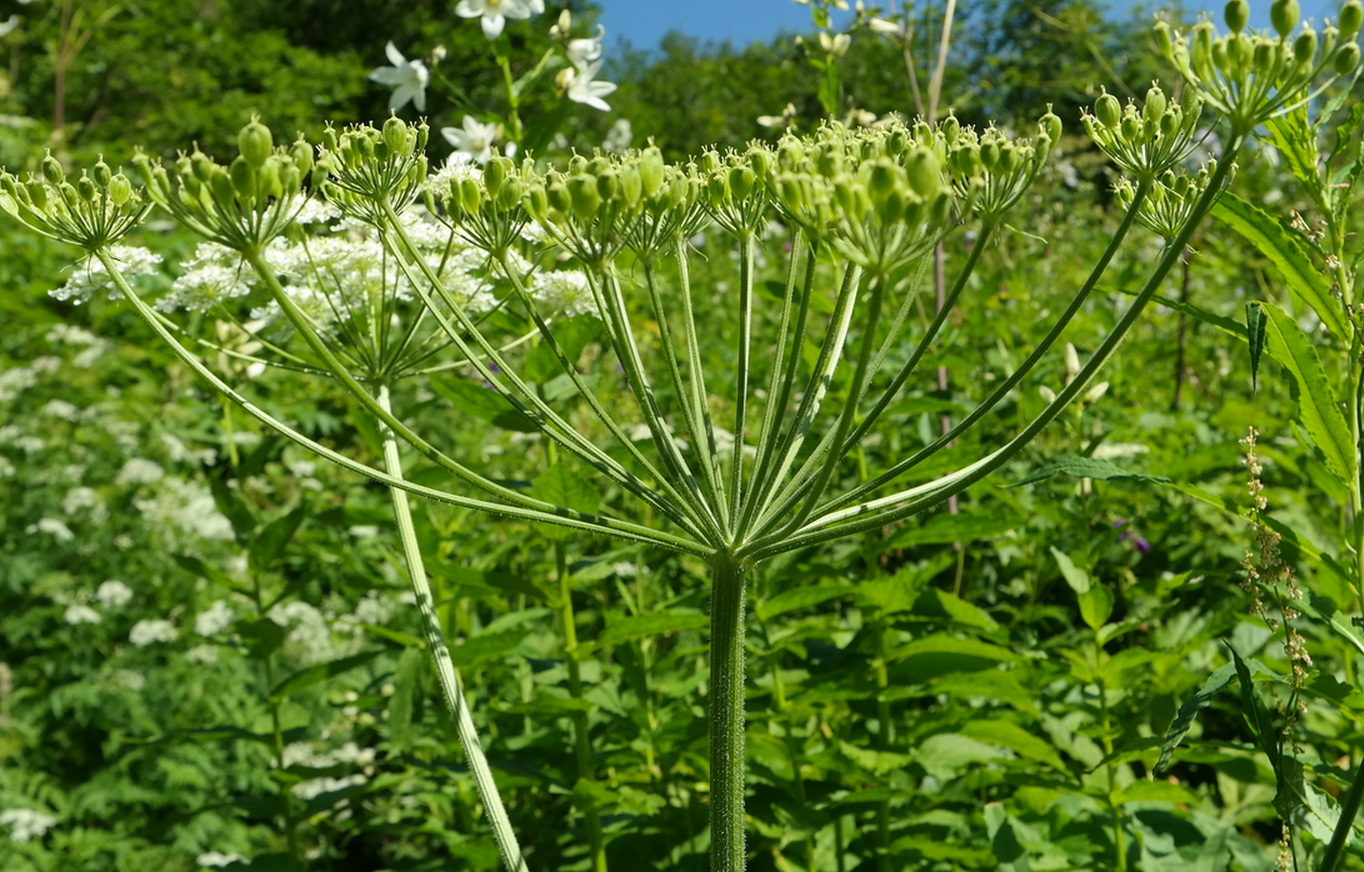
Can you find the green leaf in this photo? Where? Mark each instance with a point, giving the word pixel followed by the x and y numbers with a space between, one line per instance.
pixel 1096 606
pixel 947 755
pixel 1076 577
pixel 1088 467
pixel 1305 282
pixel 573 335
pixel 1009 853
pixel 1189 711
pixel 878 763
pixel 267 545
pixel 565 484
pixel 1254 712
pixel 640 626
pixel 945 528
pixel 482 403
pixel 797 599
pixel 937 603
pixel 1155 791
pixel 1255 332
pixel 1317 408
pixel 318 673
pixel 1008 734
pixel 406 688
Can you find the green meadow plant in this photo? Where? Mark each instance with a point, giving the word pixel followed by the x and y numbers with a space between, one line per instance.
pixel 560 302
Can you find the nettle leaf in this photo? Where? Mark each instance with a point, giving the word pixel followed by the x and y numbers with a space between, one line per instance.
pixel 875 762
pixel 1305 281
pixel 1317 407
pixel 1088 467
pixel 1189 711
pixel 946 755
pixel 1254 711
pixel 1255 333
pixel 1009 735
pixel 798 599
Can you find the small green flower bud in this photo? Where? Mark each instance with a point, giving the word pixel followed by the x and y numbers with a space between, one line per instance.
pixel 1305 47
pixel 1351 15
pixel 924 171
pixel 52 170
pixel 1155 104
pixel 651 170
pixel 1283 14
pixel 243 177
pixel 1108 110
pixel 255 143
pixel 1347 59
pixel 583 194
pixel 1236 14
pixel 395 135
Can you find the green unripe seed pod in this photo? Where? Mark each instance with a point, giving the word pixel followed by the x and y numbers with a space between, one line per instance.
pixel 101 173
pixel 1351 15
pixel 1009 160
pixel 651 170
pixel 10 186
pixel 1262 57
pixel 536 202
pixel 989 154
pixel 1050 126
pixel 882 179
pixel 267 181
pixel 52 170
pixel 890 206
pixel 608 183
pixel 845 195
pixel 289 177
pixel 559 200
pixel 742 182
pixel 1283 14
pixel 716 191
pixel 1130 129
pixel 582 193
pixel 243 177
pixel 86 189
pixel 631 186
pixel 495 173
pixel 255 143
pixel 470 195
pixel 913 214
pixel 1305 47
pixel 37 194
pixel 1155 104
pixel 395 135
pixel 1163 39
pixel 1347 59
pixel 924 171
pixel 760 159
pixel 939 208
pixel 1108 110
pixel 1236 14
pixel 950 128
pixel 896 143
pixel 1169 125
pixel 302 154
pixel 1202 50
pixel 220 185
pixel 201 167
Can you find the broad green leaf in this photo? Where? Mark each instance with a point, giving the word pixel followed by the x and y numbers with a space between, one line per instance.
pixel 1076 577
pixel 876 762
pixel 263 636
pixel 954 648
pixel 639 626
pixel 565 484
pixel 945 528
pixel 1155 791
pixel 1322 609
pixel 797 599
pixel 1189 711
pixel 573 335
pixel 1254 712
pixel 1317 408
pixel 1010 855
pixel 406 686
pixel 937 603
pixel 269 543
pixel 1296 143
pixel 1255 333
pixel 486 647
pixel 482 403
pixel 318 673
pixel 946 755
pixel 1304 280
pixel 1096 605
pixel 1009 735
pixel 1088 467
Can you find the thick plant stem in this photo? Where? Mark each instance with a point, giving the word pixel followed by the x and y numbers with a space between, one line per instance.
pixel 449 682
pixel 726 693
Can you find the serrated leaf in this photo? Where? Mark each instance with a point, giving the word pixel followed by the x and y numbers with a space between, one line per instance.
pixel 946 755
pixel 876 762
pixel 1317 408
pixel 318 673
pixel 1088 467
pixel 1189 711
pixel 640 626
pixel 1304 281
pixel 486 647
pixel 1254 712
pixel 1255 334
pixel 944 528
pixel 269 543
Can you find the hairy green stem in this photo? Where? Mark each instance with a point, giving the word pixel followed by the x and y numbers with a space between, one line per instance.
pixel 726 698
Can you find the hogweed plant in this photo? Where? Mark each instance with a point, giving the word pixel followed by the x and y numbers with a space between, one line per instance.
pixel 425 276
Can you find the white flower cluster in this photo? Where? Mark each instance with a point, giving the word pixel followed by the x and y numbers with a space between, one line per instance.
pixel 217 859
pixel 91 277
pixel 114 594
pixel 25 824
pixel 150 631
pixel 187 506
pixel 310 638
pixel 215 620
pixel 214 273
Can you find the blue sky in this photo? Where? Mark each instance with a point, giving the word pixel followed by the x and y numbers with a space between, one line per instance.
pixel 644 22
